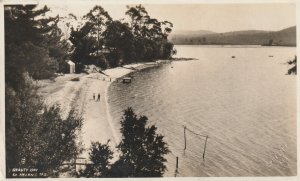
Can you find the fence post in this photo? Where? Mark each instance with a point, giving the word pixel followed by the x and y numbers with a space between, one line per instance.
pixel 176 162
pixel 176 170
pixel 204 147
pixel 184 137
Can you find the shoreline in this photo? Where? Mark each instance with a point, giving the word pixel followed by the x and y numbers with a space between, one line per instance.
pixel 97 119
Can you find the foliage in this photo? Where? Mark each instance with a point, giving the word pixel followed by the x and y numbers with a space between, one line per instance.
pixel 142 148
pixel 293 69
pixel 98 19
pixel 109 43
pixel 85 48
pixel 100 155
pixel 150 34
pixel 36 133
pixel 58 48
pixel 119 40
pixel 28 31
pixel 27 57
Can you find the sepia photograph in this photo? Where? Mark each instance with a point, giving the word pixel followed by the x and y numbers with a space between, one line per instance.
pixel 133 90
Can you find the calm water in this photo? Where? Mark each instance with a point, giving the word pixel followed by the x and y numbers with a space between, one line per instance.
pixel 246 105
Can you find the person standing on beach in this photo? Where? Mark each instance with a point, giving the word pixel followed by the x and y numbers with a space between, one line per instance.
pixel 98 99
pixel 94 96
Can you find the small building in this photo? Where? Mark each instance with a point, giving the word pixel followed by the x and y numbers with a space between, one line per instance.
pixel 72 66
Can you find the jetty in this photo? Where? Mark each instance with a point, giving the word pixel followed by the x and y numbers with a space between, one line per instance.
pixel 127 80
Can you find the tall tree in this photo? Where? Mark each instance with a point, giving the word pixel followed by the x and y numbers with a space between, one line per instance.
pixel 150 34
pixel 142 149
pixel 100 155
pixel 119 39
pixel 26 26
pixel 98 18
pixel 36 135
pixel 138 16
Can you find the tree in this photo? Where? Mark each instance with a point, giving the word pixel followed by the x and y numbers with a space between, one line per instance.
pixel 150 34
pixel 98 19
pixel 293 69
pixel 142 149
pixel 84 45
pixel 109 43
pixel 58 48
pixel 37 133
pixel 100 155
pixel 27 30
pixel 138 15
pixel 119 39
pixel 88 40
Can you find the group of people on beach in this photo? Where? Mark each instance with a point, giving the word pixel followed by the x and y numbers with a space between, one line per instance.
pixel 98 97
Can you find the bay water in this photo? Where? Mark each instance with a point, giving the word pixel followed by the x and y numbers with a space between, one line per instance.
pixel 239 96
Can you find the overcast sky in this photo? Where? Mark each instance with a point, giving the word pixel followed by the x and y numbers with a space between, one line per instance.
pixel 213 17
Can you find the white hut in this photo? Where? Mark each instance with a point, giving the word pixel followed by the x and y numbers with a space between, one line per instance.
pixel 72 66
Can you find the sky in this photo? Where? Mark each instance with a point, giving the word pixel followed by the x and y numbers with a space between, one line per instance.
pixel 213 17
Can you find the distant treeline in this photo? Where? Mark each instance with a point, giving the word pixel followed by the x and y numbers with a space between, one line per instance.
pixel 109 43
pixel 94 38
pixel 285 37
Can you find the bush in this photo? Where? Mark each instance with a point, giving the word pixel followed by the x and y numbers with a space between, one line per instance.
pixel 293 69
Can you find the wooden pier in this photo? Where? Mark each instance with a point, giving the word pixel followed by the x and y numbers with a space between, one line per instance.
pixel 127 80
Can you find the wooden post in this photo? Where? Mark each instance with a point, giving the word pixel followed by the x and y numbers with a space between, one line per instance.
pixel 176 170
pixel 204 147
pixel 184 137
pixel 176 162
pixel 75 164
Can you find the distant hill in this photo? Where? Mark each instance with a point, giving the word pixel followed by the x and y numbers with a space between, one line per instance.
pixel 285 37
pixel 194 33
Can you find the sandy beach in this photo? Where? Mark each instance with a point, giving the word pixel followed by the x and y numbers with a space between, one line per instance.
pixel 78 95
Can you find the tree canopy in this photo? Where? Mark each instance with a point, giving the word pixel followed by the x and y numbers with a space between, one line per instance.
pixel 109 43
pixel 36 135
pixel 141 151
pixel 142 148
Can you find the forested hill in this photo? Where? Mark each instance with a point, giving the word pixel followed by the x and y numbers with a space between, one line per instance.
pixel 285 37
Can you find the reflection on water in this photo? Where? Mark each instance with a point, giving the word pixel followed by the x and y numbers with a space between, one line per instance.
pixel 246 105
